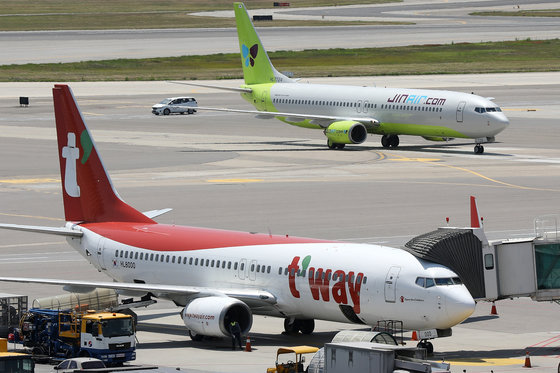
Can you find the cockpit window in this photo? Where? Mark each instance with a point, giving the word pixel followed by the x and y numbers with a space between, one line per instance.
pixel 444 281
pixel 482 110
pixel 427 282
pixel 457 281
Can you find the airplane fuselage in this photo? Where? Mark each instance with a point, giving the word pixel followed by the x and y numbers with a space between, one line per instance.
pixel 420 112
pixel 310 279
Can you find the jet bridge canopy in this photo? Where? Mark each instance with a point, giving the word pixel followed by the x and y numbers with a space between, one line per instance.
pixel 458 249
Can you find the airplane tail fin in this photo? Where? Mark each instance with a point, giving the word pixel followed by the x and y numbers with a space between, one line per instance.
pixel 88 194
pixel 476 220
pixel 257 68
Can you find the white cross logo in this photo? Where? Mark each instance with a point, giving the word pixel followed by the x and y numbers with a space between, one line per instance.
pixel 71 153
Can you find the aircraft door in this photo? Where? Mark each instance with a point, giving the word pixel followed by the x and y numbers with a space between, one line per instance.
pixel 460 109
pixel 391 284
pixel 243 269
pixel 100 249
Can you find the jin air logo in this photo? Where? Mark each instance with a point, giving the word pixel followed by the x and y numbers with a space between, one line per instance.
pixel 72 153
pixel 249 55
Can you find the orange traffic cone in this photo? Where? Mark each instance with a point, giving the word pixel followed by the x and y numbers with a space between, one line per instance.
pixel 493 311
pixel 527 360
pixel 414 336
pixel 248 345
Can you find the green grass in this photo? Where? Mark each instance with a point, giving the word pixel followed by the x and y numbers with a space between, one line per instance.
pixel 513 56
pixel 140 14
pixel 522 13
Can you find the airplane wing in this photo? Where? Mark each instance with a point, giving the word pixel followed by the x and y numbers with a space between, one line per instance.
pixel 251 296
pixel 320 120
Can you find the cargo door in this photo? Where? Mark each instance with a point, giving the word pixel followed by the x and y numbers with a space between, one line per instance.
pixel 100 250
pixel 391 284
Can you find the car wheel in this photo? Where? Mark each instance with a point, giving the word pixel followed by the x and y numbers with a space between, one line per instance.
pixel 166 112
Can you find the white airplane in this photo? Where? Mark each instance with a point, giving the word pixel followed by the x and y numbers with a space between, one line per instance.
pixel 346 114
pixel 217 276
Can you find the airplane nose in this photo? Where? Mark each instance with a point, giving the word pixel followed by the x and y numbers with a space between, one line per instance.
pixel 460 305
pixel 501 121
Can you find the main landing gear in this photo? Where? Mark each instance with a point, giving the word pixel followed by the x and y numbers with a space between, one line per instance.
pixel 293 326
pixel 478 149
pixel 390 141
pixel 333 145
pixel 427 345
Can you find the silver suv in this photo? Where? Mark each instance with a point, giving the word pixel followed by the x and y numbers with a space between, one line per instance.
pixel 179 105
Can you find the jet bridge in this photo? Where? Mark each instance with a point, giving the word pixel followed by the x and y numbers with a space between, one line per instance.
pixel 499 269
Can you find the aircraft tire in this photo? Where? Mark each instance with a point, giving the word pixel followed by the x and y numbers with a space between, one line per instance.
pixel 291 328
pixel 478 149
pixel 385 141
pixel 340 146
pixel 306 326
pixel 195 337
pixel 393 141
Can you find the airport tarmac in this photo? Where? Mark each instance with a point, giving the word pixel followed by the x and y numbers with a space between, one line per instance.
pixel 237 172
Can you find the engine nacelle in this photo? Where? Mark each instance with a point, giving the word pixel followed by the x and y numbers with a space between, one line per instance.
pixel 211 316
pixel 346 132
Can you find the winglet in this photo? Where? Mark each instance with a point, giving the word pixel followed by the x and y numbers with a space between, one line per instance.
pixel 476 221
pixel 87 190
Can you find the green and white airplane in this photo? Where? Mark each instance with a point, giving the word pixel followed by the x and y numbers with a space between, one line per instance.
pixel 346 114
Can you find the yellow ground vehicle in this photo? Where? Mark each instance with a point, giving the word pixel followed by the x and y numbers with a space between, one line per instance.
pixel 291 359
pixel 14 362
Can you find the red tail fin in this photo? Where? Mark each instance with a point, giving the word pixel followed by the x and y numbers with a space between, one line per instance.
pixel 87 190
pixel 475 217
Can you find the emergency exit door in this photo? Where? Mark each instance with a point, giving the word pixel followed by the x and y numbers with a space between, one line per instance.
pixel 460 109
pixel 391 284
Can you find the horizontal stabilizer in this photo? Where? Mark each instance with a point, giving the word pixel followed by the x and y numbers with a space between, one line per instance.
pixel 155 213
pixel 62 231
pixel 234 89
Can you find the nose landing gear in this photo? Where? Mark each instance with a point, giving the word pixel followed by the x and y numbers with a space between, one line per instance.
pixel 478 149
pixel 427 345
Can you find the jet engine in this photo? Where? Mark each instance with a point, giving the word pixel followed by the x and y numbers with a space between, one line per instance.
pixel 346 132
pixel 211 316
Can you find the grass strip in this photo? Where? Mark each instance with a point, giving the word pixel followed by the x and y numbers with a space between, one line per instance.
pixel 509 56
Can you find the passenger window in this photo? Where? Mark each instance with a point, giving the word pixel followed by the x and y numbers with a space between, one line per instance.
pixel 157 258
pixel 365 280
pixel 212 263
pixel 191 261
pixel 151 257
pixel 126 254
pixel 196 262
pixel 207 262
pixel 217 264
pixel 141 256
pixel 242 267
pixel 235 266
pixel 268 269
pixel 228 265
pixel 116 253
pixel 252 268
pixel 279 270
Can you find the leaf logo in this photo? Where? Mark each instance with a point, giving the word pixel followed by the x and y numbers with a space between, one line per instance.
pixel 249 55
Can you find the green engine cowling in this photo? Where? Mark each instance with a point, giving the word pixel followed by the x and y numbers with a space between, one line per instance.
pixel 346 132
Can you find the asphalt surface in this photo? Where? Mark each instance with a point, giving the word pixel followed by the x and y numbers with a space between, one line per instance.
pixel 434 23
pixel 237 172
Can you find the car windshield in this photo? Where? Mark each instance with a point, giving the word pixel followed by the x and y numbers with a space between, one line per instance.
pixel 117 327
pixel 94 364
pixel 166 101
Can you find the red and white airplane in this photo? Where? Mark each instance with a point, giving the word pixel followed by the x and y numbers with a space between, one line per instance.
pixel 218 276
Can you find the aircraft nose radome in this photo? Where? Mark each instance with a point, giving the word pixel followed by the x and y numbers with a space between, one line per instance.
pixel 460 305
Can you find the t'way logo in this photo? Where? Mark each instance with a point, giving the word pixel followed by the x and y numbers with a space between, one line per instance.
pixel 71 153
pixel 319 283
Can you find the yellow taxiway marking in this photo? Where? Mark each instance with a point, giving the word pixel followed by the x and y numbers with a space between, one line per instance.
pixel 28 181
pixel 31 216
pixel 234 180
pixel 477 174
pixel 487 362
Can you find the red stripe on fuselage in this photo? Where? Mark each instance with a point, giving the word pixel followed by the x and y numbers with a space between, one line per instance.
pixel 163 237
